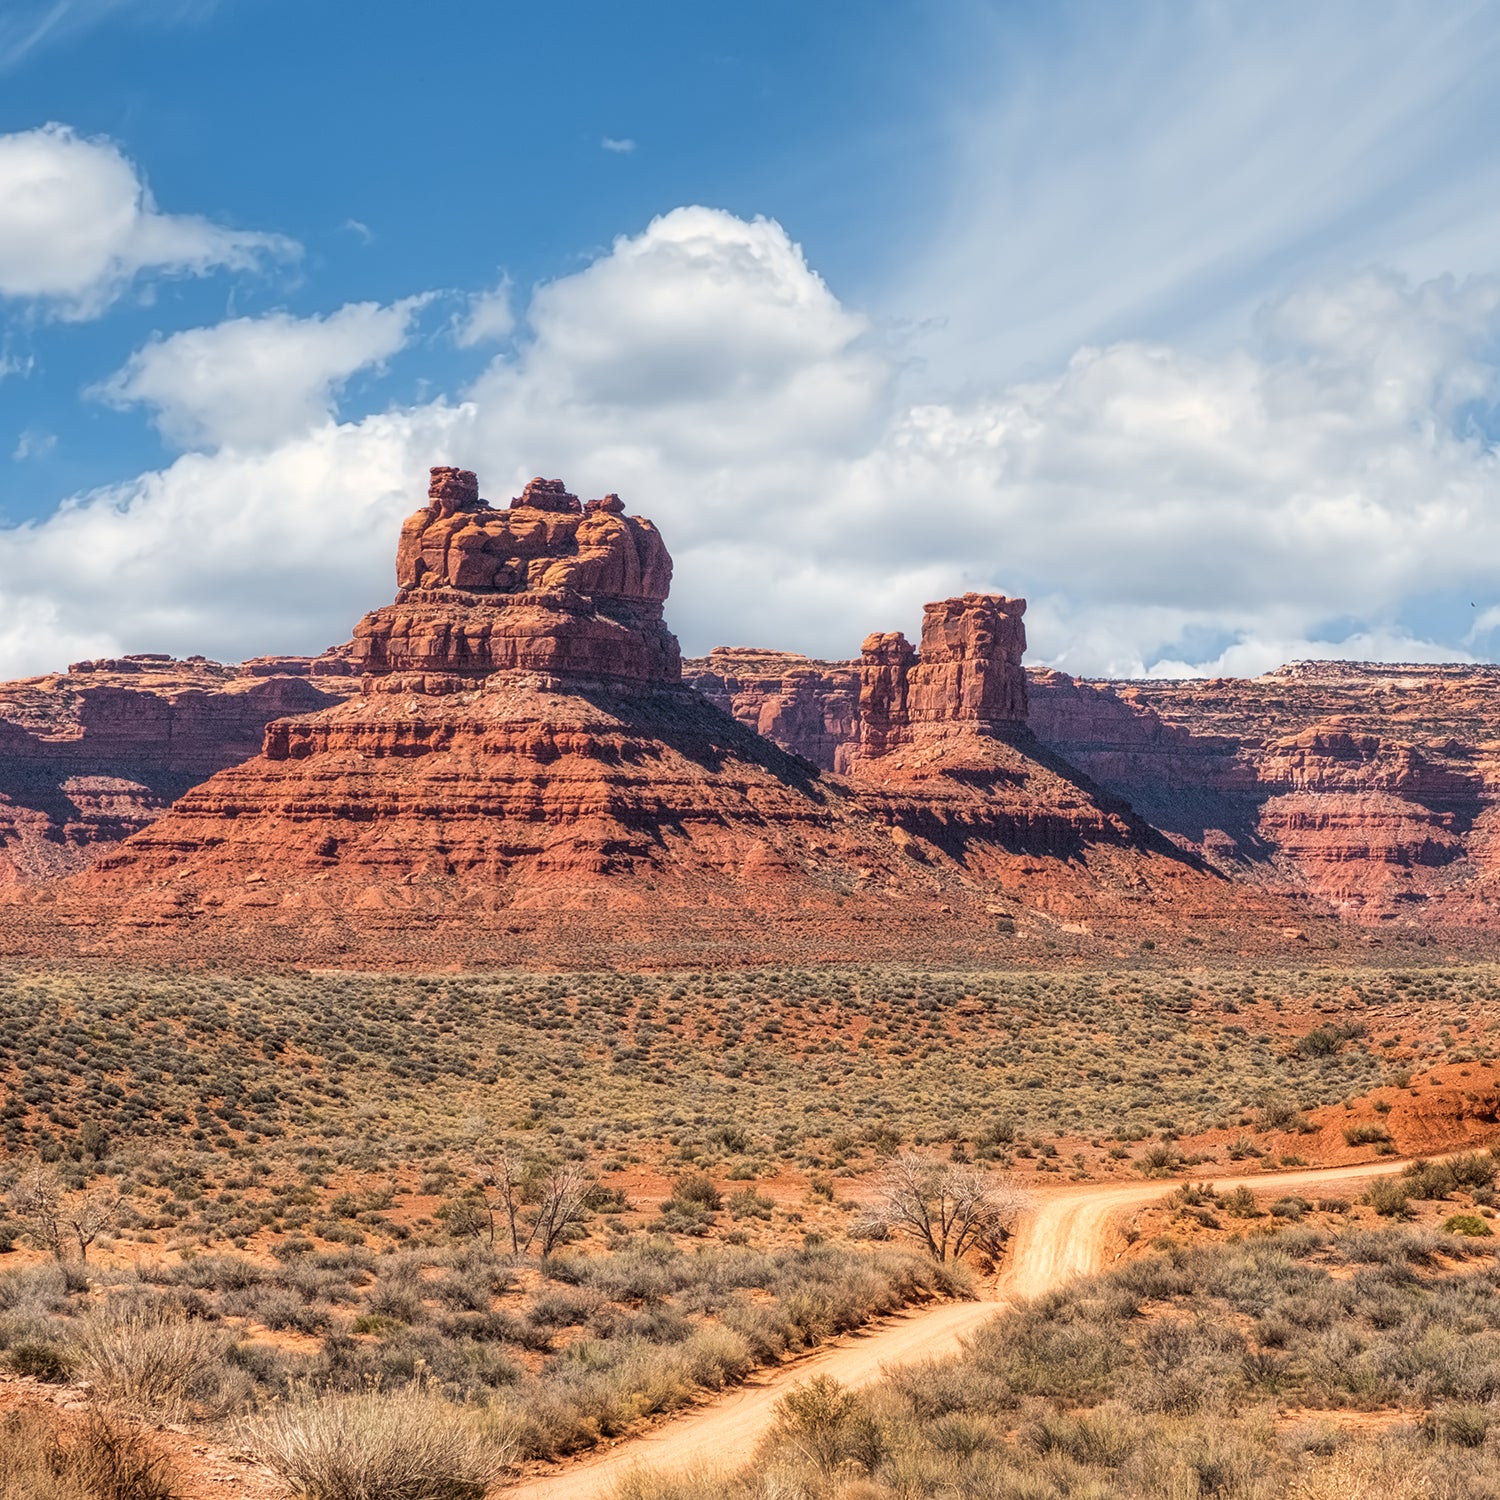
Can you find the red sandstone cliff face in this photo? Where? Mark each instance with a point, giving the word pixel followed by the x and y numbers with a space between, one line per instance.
pixel 523 775
pixel 92 755
pixel 549 585
pixel 808 707
pixel 1375 788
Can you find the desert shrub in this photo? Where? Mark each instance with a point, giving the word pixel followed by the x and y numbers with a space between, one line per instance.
pixel 696 1191
pixel 153 1362
pixel 1366 1133
pixel 1279 1114
pixel 41 1361
pixel 1472 1169
pixel 1377 1472
pixel 1428 1179
pixel 1240 1202
pixel 406 1445
pixel 1157 1160
pixel 748 1204
pixel 1290 1207
pixel 1389 1197
pixel 1467 1224
pixel 93 1459
pixel 1462 1426
pixel 828 1426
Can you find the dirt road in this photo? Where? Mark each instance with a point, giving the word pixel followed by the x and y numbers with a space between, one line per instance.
pixel 1067 1234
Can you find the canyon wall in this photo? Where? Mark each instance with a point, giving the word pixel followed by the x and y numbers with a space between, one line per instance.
pixel 1374 788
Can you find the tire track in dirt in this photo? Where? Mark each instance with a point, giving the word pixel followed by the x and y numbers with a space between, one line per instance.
pixel 1070 1232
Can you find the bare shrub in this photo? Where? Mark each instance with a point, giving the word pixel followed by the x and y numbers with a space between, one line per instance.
pixel 408 1445
pixel 948 1207
pixel 1365 1474
pixel 93 1460
pixel 153 1362
pixel 827 1426
pixel 525 1207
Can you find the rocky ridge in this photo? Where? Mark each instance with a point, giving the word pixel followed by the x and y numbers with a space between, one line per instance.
pixel 523 773
pixel 1373 788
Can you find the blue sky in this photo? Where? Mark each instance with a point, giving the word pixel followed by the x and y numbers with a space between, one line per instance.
pixel 1180 319
pixel 435 147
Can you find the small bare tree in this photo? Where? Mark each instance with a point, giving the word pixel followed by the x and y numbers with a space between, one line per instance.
pixel 562 1204
pixel 57 1219
pixel 948 1207
pixel 525 1208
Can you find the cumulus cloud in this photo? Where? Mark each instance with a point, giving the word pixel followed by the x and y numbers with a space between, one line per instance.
pixel 1163 509
pixel 620 145
pixel 252 382
pixel 240 552
pixel 77 225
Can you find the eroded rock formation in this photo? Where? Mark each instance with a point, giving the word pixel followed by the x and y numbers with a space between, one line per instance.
pixel 92 755
pixel 524 777
pixel 548 585
pixel 1376 788
pixel 806 706
pixel 1373 788
pixel 966 675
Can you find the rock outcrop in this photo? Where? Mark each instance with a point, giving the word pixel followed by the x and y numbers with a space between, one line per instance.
pixel 966 676
pixel 548 585
pixel 94 754
pixel 524 777
pixel 1375 788
pixel 808 707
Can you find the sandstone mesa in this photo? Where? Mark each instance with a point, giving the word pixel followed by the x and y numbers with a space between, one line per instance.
pixel 523 771
pixel 511 763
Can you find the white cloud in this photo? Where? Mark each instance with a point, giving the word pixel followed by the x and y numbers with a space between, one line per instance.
pixel 77 224
pixel 620 145
pixel 1163 509
pixel 238 552
pixel 488 317
pixel 1122 171
pixel 252 382
pixel 33 444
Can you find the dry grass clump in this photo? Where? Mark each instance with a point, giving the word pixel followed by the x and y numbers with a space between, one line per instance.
pixel 150 1361
pixel 406 1445
pixel 94 1460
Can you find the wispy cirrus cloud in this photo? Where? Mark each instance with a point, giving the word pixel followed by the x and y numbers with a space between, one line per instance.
pixel 1159 169
pixel 31 26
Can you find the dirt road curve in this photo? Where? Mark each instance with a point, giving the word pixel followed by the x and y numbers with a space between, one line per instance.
pixel 1066 1235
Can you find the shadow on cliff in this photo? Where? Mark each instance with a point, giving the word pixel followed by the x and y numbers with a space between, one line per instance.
pixel 686 723
pixel 1045 830
pixel 42 788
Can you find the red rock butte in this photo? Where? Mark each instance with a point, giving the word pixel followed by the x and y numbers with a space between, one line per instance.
pixel 523 777
pixel 548 585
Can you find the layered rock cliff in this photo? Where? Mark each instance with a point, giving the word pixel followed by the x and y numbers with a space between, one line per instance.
pixel 1376 788
pixel 92 755
pixel 524 776
pixel 1373 788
